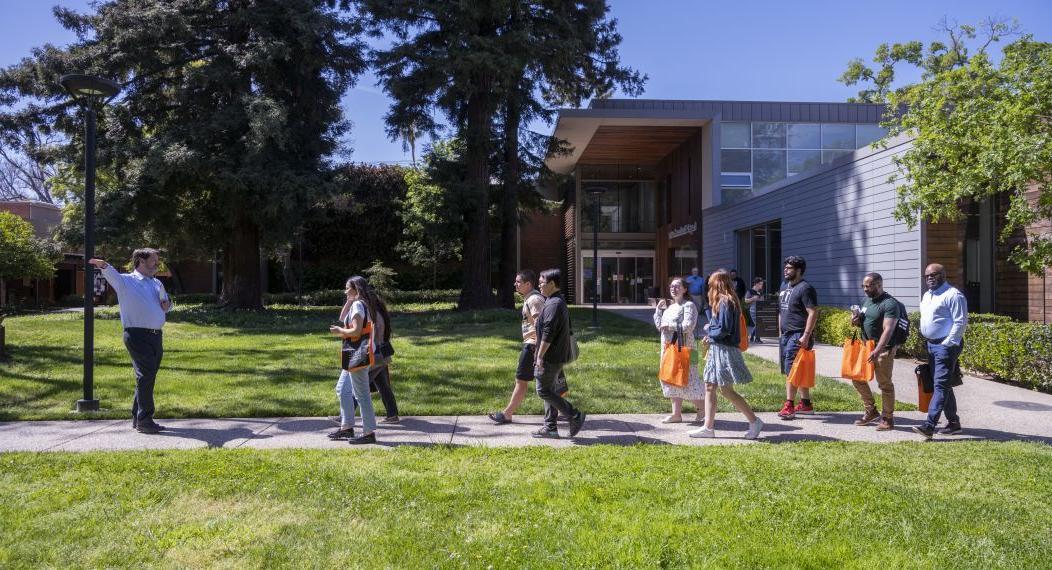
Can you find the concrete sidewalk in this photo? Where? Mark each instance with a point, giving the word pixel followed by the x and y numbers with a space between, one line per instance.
pixel 621 429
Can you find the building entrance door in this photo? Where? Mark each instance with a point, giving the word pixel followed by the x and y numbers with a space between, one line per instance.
pixel 625 277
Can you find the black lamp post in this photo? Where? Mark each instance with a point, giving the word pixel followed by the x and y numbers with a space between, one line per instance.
pixel 596 193
pixel 90 92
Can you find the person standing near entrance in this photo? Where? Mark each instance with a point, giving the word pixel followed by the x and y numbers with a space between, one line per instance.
pixel 532 304
pixel 553 352
pixel 797 316
pixel 878 318
pixel 752 299
pixel 696 288
pixel 143 305
pixel 944 316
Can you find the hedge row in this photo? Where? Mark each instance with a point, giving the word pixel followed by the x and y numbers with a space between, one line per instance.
pixel 331 297
pixel 993 344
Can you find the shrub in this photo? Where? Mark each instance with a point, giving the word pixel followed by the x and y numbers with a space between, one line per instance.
pixel 834 325
pixel 1007 350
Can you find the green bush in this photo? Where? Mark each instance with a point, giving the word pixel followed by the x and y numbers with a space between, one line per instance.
pixel 1021 352
pixel 834 325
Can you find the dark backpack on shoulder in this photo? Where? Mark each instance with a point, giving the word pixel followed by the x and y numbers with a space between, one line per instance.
pixel 902 326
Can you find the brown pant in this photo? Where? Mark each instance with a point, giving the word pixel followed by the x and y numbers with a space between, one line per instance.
pixel 882 371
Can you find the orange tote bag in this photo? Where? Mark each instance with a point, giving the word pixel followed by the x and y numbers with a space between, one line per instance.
pixel 675 365
pixel 802 374
pixel 852 346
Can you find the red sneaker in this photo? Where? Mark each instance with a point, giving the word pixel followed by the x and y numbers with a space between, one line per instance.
pixel 787 412
pixel 802 409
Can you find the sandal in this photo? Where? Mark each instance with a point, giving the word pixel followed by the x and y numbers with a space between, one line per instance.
pixel 499 418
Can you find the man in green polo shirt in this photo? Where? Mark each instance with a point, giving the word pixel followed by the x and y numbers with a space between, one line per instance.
pixel 878 317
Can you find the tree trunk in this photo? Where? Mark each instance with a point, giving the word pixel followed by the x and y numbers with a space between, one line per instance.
pixel 241 277
pixel 476 292
pixel 509 207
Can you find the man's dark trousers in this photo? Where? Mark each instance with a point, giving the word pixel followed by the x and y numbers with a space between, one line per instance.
pixel 144 345
pixel 943 362
pixel 554 404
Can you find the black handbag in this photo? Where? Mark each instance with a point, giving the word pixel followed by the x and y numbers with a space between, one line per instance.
pixel 386 350
pixel 357 352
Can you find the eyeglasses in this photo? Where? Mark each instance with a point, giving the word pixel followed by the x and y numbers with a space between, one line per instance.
pixel 927 275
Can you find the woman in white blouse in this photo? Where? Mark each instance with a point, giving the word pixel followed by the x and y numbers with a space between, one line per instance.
pixel 680 315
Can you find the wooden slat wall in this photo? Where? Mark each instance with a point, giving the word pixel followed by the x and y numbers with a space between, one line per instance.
pixel 945 241
pixel 1039 287
pixel 1012 286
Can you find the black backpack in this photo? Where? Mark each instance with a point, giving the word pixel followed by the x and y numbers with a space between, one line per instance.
pixel 902 327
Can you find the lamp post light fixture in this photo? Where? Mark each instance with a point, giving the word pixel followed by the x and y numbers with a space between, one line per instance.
pixel 596 193
pixel 90 92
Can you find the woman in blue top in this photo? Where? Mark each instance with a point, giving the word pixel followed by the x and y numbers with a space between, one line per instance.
pixel 724 365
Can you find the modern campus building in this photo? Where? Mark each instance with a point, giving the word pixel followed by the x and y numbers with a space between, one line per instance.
pixel 741 184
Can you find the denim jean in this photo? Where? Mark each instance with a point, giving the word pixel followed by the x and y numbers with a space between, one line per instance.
pixel 943 361
pixel 352 387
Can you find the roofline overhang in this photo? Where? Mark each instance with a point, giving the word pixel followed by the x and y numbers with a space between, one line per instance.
pixel 578 126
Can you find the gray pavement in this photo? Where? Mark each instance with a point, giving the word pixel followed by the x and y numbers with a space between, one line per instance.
pixel 989 411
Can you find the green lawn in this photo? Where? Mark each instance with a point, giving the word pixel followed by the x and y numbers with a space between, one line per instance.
pixel 807 505
pixel 283 362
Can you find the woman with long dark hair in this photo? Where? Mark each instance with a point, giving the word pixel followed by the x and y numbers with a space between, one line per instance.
pixel 356 316
pixel 724 365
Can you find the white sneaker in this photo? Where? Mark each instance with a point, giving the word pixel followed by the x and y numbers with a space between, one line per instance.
pixel 754 429
pixel 702 432
pixel 672 419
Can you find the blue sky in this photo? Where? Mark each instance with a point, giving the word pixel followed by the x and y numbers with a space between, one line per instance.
pixel 745 50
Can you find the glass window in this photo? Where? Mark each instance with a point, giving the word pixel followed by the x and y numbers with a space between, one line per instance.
pixel 868 134
pixel 742 180
pixel 734 135
pixel 801 160
pixel 769 135
pixel 838 136
pixel 735 161
pixel 831 155
pixel 768 166
pixel 624 207
pixel 804 136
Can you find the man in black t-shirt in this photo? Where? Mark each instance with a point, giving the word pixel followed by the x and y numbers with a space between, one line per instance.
pixel 797 316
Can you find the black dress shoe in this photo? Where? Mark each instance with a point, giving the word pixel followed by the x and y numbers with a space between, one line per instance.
pixel 576 423
pixel 363 439
pixel 342 434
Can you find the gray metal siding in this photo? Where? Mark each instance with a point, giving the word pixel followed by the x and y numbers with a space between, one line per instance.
pixel 841 220
pixel 755 110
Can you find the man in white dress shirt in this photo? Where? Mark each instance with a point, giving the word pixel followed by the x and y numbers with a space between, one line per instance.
pixel 143 303
pixel 944 316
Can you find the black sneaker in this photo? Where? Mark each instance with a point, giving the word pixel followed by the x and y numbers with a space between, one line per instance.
pixel 546 433
pixel 926 431
pixel 342 434
pixel 951 429
pixel 363 439
pixel 576 423
pixel 149 428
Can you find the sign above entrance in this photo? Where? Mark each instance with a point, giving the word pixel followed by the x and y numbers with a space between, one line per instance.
pixel 684 230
